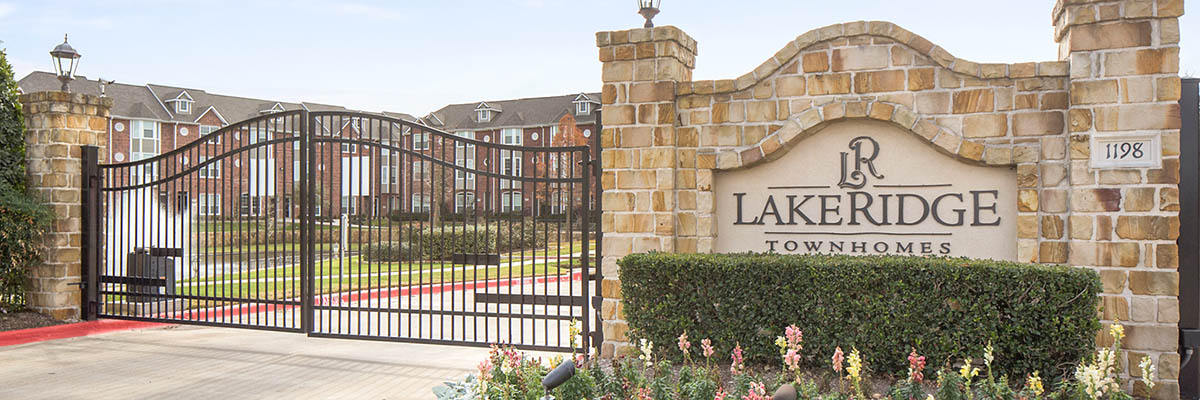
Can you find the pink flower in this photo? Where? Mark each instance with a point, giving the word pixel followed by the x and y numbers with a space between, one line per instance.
pixel 758 391
pixel 792 359
pixel 838 356
pixel 644 394
pixel 485 370
pixel 794 337
pixel 706 345
pixel 720 394
pixel 916 364
pixel 737 366
pixel 684 344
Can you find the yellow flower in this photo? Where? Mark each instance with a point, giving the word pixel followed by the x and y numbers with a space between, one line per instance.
pixel 967 371
pixel 1117 330
pixel 854 365
pixel 1034 384
pixel 782 343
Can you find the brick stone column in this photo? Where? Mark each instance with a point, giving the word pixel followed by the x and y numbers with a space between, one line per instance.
pixel 57 124
pixel 641 70
pixel 1124 58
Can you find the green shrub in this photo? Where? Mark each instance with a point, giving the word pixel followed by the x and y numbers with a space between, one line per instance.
pixel 24 219
pixel 407 216
pixel 1039 318
pixel 443 242
pixel 387 252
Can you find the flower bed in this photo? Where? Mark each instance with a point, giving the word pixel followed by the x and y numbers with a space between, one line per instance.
pixel 509 374
pixel 1042 317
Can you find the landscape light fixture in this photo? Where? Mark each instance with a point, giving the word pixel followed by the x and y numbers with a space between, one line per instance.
pixel 648 9
pixel 564 371
pixel 66 59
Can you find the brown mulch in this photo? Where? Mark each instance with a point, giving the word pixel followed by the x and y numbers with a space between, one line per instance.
pixel 24 320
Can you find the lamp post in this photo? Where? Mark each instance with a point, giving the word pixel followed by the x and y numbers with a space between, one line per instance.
pixel 648 9
pixel 65 60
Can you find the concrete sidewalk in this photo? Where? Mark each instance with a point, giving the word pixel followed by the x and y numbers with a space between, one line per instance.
pixel 189 362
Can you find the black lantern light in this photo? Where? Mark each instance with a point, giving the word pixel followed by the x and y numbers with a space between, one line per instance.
pixel 648 9
pixel 65 60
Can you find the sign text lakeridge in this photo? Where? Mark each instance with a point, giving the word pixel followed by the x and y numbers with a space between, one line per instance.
pixel 879 197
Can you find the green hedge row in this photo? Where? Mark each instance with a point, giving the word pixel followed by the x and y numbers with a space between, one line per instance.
pixel 1038 317
pixel 442 243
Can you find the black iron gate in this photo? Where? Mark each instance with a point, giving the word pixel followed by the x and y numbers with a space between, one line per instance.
pixel 350 225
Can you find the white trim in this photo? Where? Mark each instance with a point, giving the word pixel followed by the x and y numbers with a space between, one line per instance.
pixel 483 105
pixel 160 102
pixel 214 109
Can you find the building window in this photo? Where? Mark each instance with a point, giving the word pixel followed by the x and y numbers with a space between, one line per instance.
pixel 205 130
pixel 420 170
pixel 464 202
pixel 583 108
pixel 510 165
pixel 349 148
pixel 420 141
pixel 510 201
pixel 251 206
pixel 511 136
pixel 350 205
pixel 483 115
pixel 260 153
pixel 420 203
pixel 210 204
pixel 183 107
pixel 144 142
pixel 296 171
pixel 211 170
pixel 464 158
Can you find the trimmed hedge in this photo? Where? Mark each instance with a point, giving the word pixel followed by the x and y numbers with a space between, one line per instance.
pixel 443 242
pixel 1038 317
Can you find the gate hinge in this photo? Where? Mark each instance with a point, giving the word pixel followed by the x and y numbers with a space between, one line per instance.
pixel 597 301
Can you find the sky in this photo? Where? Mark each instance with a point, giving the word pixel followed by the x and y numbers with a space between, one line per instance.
pixel 417 56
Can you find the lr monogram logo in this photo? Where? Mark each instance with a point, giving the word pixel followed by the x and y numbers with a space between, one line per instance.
pixel 856 179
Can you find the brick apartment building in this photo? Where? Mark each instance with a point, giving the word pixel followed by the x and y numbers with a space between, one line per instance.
pixel 149 120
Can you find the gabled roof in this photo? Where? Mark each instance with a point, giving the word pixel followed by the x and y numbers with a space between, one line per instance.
pixel 535 111
pixel 483 105
pixel 583 97
pixel 182 96
pixel 145 101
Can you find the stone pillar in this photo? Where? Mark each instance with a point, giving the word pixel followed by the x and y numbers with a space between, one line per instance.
pixel 642 68
pixel 1124 63
pixel 57 124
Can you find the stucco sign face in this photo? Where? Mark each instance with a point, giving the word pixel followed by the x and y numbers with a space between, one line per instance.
pixel 865 187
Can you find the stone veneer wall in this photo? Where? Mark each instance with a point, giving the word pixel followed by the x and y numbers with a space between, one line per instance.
pixel 57 124
pixel 665 136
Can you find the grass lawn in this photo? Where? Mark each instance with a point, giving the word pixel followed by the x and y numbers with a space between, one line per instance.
pixel 331 282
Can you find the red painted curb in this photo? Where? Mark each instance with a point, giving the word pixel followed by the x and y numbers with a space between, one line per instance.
pixel 22 336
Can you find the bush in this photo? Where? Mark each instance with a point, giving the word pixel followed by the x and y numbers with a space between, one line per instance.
pixel 407 216
pixel 443 242
pixel 1041 318
pixel 387 252
pixel 24 220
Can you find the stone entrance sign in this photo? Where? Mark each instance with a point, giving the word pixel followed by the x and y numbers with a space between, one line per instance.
pixel 1071 161
pixel 867 187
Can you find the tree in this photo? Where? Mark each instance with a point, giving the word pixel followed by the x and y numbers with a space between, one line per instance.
pixel 12 126
pixel 24 218
pixel 559 165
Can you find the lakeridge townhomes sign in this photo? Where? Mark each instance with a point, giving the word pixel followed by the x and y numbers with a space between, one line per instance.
pixel 864 187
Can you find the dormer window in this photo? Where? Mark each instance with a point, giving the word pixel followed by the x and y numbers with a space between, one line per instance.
pixel 583 104
pixel 183 103
pixel 483 115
